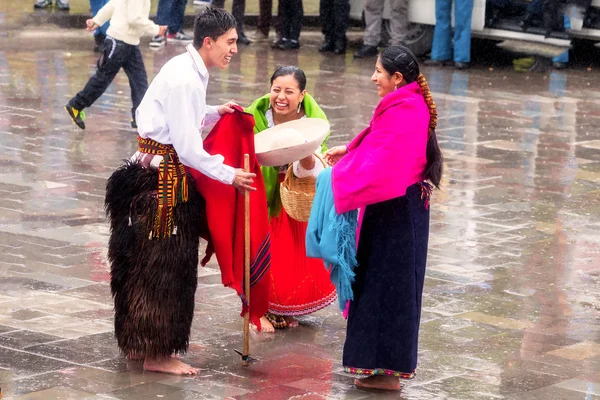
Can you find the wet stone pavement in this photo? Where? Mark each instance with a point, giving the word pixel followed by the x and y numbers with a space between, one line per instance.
pixel 511 301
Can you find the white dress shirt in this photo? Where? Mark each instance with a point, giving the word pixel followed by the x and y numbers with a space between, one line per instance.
pixel 174 111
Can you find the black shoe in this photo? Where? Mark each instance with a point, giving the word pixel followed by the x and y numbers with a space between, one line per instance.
pixel 243 39
pixel 438 63
pixel 77 116
pixel 366 51
pixel 560 65
pixel 461 65
pixel 133 123
pixel 327 46
pixel 63 5
pixel 279 42
pixel 340 47
pixel 289 45
pixel 99 42
pixel 42 4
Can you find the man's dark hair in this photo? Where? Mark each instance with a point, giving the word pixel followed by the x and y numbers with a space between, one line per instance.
pixel 212 23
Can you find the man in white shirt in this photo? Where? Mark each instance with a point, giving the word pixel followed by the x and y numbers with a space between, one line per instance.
pixel 154 208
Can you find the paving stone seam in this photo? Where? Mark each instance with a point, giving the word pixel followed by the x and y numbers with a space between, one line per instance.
pixel 50 358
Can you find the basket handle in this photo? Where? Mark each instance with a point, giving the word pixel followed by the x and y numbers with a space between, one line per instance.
pixel 289 174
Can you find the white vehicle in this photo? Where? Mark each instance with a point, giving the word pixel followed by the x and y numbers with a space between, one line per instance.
pixel 422 18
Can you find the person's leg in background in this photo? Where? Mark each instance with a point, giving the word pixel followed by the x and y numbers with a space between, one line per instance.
pixel 284 25
pixel 399 22
pixel 296 18
pixel 441 51
pixel 175 32
pixel 263 26
pixel 238 10
pixel 100 33
pixel 109 63
pixel 265 17
pixel 562 61
pixel 335 18
pixel 326 17
pixel 291 24
pixel 372 35
pixel 463 12
pixel 341 18
pixel 163 17
pixel 171 13
pixel 138 79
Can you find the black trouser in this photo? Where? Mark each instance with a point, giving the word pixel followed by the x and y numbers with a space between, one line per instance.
pixel 291 14
pixel 335 17
pixel 266 15
pixel 116 55
pixel 238 9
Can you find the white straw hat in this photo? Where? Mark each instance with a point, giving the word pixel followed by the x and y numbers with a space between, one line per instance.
pixel 290 141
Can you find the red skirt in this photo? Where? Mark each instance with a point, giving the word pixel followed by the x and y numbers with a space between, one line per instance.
pixel 299 285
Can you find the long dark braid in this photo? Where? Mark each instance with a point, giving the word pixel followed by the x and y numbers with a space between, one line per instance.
pixel 400 59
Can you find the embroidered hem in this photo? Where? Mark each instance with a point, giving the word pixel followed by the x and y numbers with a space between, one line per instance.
pixel 302 309
pixel 379 371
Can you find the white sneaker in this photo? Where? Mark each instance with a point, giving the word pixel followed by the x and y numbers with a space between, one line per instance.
pixel 179 37
pixel 205 3
pixel 157 42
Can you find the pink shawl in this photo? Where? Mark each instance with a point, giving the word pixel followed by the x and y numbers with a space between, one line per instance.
pixel 388 156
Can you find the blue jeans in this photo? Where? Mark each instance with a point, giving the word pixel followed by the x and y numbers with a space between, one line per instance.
pixel 171 12
pixel 96 6
pixel 442 37
pixel 564 57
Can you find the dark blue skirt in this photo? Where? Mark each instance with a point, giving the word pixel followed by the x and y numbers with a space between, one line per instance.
pixel 383 324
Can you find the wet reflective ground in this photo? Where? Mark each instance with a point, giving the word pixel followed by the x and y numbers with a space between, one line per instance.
pixel 512 298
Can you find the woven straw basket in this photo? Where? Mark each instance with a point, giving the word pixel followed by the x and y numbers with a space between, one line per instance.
pixel 297 194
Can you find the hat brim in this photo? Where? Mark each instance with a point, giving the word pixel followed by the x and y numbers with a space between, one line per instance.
pixel 314 131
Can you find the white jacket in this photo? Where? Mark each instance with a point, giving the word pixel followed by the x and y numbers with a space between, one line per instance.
pixel 128 20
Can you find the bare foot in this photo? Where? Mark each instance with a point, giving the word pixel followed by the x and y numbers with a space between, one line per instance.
pixel 379 382
pixel 133 356
pixel 291 322
pixel 265 326
pixel 170 365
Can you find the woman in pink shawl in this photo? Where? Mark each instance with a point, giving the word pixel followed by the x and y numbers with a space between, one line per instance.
pixel 385 173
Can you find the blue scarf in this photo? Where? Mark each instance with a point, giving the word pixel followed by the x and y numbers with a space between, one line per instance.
pixel 332 237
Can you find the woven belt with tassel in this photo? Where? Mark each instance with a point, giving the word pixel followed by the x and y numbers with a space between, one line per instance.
pixel 172 186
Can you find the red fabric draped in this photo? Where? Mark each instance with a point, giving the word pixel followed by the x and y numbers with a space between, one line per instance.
pixel 232 137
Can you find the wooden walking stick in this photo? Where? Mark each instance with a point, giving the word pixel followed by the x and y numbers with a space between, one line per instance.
pixel 246 353
pixel 247 359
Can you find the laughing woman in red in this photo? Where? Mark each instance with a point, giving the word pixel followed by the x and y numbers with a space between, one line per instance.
pixel 300 285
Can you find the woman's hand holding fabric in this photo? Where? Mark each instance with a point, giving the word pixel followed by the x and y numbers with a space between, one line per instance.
pixel 335 154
